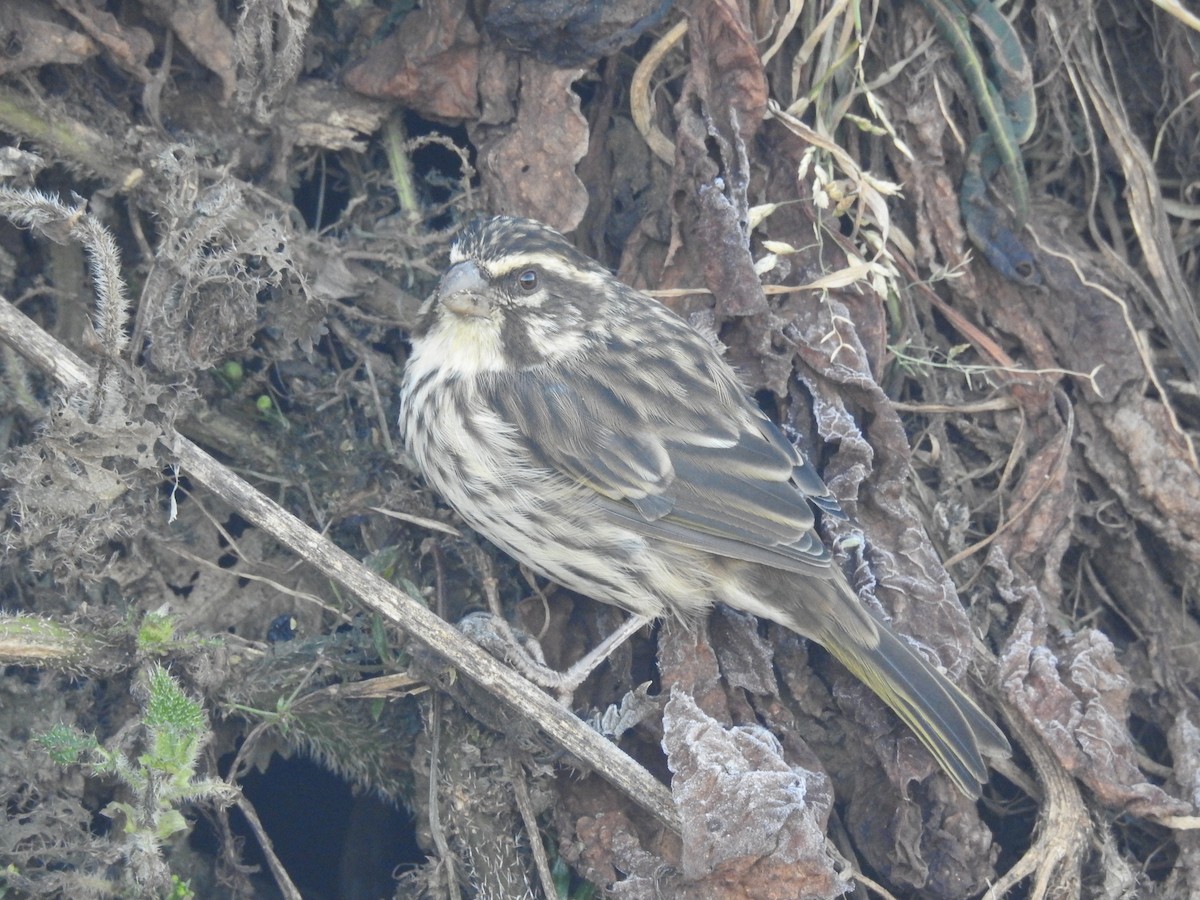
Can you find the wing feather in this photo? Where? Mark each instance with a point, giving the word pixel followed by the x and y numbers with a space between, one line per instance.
pixel 722 479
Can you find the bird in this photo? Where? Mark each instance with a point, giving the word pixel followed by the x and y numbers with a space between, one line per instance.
pixel 595 436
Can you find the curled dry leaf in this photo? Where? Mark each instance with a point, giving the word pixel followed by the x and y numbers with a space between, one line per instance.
pixel 749 821
pixel 566 33
pixel 529 169
pixel 430 64
pixel 129 46
pixel 1077 698
pixel 35 36
pixel 198 25
pixel 722 105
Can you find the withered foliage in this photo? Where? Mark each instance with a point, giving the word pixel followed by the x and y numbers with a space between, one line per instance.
pixel 280 182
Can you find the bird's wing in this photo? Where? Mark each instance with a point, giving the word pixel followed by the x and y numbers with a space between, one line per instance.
pixel 710 472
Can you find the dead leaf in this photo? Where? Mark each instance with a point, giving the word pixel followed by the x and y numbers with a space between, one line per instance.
pixel 529 170
pixel 34 36
pixel 127 45
pixel 1076 696
pixel 198 25
pixel 726 67
pixel 568 33
pixel 321 114
pixel 750 826
pixel 720 110
pixel 430 64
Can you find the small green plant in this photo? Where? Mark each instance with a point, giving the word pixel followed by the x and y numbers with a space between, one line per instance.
pixel 9 871
pixel 231 374
pixel 568 885
pixel 155 633
pixel 271 413
pixel 180 889
pixel 161 778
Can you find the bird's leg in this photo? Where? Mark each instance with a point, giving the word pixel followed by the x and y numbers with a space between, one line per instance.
pixel 492 632
pixel 578 673
pixel 521 651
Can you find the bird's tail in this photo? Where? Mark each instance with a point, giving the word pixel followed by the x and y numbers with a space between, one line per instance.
pixel 956 731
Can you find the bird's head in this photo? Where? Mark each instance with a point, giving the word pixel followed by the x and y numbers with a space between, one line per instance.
pixel 516 295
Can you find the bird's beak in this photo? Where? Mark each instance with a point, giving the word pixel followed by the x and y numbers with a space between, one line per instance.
pixel 464 290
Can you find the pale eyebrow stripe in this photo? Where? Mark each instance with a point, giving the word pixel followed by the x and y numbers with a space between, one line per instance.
pixel 546 261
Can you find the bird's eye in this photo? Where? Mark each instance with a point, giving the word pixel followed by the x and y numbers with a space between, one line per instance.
pixel 528 281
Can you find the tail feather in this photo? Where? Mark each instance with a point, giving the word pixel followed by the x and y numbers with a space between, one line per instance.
pixel 944 719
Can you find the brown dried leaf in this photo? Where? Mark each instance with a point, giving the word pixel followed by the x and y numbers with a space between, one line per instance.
pixel 320 114
pixel 686 659
pixel 837 373
pixel 726 69
pixel 128 45
pixel 937 848
pixel 569 33
pixel 198 25
pixel 33 38
pixel 608 847
pixel 530 169
pixel 720 110
pixel 746 658
pixel 1146 463
pixel 750 826
pixel 1078 701
pixel 430 64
